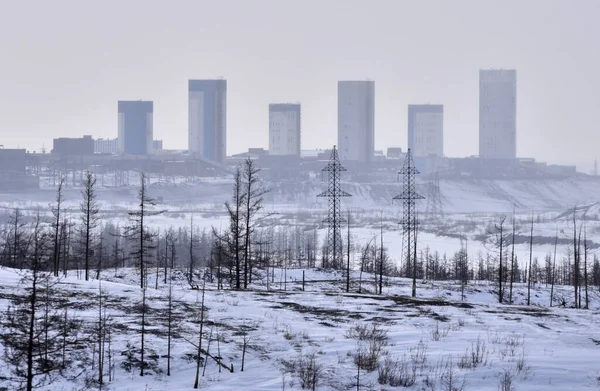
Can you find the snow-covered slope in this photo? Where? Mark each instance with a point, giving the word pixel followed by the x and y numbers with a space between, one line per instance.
pixel 458 196
pixel 437 334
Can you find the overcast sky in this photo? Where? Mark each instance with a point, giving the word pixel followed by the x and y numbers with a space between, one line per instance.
pixel 64 64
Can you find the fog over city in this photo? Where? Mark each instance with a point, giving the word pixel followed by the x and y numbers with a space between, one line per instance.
pixel 272 195
pixel 65 64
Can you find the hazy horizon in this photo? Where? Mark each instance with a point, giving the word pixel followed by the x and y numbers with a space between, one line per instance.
pixel 65 65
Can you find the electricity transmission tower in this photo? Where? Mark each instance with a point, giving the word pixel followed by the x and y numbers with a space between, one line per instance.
pixel 434 210
pixel 409 218
pixel 334 218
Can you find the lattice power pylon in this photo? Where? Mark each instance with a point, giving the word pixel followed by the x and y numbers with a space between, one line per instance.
pixel 409 222
pixel 334 218
pixel 435 210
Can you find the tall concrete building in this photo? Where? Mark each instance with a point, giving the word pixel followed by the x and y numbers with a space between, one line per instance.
pixel 356 120
pixel 426 130
pixel 207 118
pixel 135 127
pixel 498 114
pixel 284 129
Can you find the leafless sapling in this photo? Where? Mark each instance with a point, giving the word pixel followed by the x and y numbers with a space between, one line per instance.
pixel 89 218
pixel 56 210
pixel 254 193
pixel 199 352
pixel 530 257
pixel 137 232
pixel 235 236
pixel 553 269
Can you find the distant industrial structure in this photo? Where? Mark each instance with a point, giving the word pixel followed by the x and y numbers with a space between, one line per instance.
pixel 498 114
pixel 207 119
pixel 284 129
pixel 13 171
pixel 426 130
pixel 135 127
pixel 73 146
pixel 356 121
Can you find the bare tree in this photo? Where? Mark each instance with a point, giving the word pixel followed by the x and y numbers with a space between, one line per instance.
pixel 199 352
pixel 512 259
pixel 170 319
pixel 89 217
pixel 56 212
pixel 137 232
pixel 553 269
pixel 575 259
pixel 254 193
pixel 101 332
pixel 191 250
pixel 383 258
pixel 530 256
pixel 585 269
pixel 348 256
pixel 235 237
pixel 500 243
pixel 143 331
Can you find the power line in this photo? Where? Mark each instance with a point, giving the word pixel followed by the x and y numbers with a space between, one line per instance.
pixel 334 218
pixel 409 218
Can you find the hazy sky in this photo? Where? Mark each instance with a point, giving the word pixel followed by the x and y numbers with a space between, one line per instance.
pixel 64 64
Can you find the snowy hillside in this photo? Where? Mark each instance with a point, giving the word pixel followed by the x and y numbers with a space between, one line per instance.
pixel 458 196
pixel 425 343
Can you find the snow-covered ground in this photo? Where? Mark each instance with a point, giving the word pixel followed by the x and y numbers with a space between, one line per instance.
pixel 541 348
pixel 437 334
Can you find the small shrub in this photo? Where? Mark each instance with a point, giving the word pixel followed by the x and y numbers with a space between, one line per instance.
pixel 371 339
pixel 287 333
pixel 306 367
pixel 506 381
pixel 474 356
pixel 418 355
pixel 435 332
pixel 397 373
pixel 494 338
pixel 362 332
pixel 309 371
pixel 449 379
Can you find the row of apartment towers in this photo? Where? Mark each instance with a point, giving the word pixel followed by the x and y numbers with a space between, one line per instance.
pixel 207 122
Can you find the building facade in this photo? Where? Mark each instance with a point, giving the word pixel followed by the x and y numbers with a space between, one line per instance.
pixel 207 119
pixel 284 129
pixel 426 130
pixel 107 146
pixel 498 114
pixel 73 146
pixel 135 127
pixel 356 120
